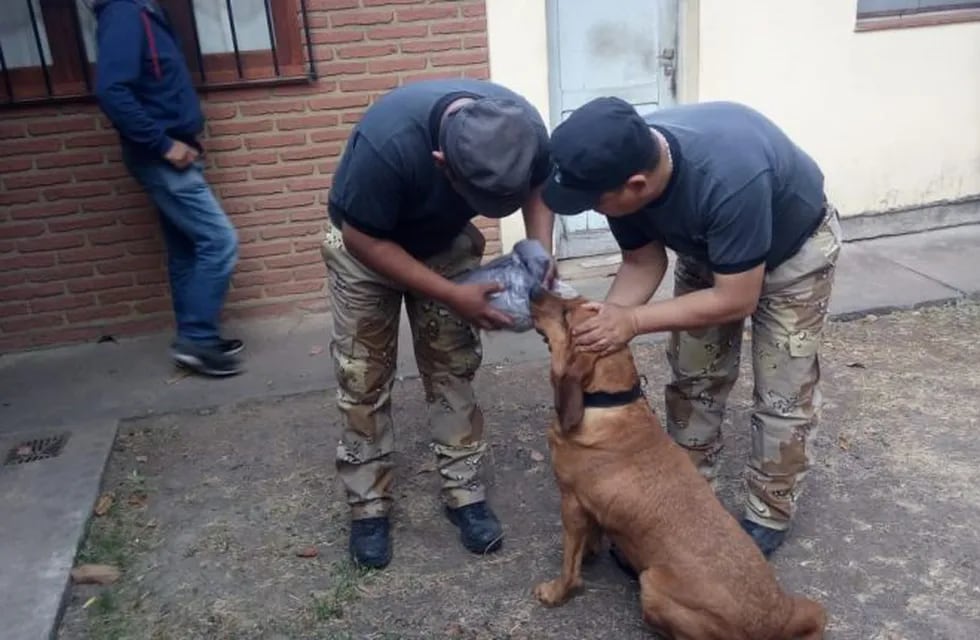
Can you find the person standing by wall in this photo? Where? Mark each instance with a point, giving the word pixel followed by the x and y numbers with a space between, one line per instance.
pixel 144 87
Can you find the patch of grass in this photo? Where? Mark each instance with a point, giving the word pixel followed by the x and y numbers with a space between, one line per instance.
pixel 135 481
pixel 110 541
pixel 106 603
pixel 330 605
pixel 118 535
pixel 106 544
pixel 106 621
pixel 115 539
pixel 326 608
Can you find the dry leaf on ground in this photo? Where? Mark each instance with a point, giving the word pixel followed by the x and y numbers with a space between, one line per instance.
pixel 137 500
pixel 94 574
pixel 308 552
pixel 104 503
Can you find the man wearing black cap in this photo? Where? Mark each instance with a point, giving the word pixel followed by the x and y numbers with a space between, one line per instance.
pixel 423 161
pixel 744 209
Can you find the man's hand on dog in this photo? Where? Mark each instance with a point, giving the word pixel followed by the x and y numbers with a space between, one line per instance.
pixel 609 330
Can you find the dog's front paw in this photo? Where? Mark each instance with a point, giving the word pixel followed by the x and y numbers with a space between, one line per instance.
pixel 553 592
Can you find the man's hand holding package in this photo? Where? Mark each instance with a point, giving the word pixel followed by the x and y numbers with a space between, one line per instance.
pixel 505 286
pixel 472 303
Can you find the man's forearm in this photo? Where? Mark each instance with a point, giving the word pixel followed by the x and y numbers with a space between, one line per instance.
pixel 632 286
pixel 638 277
pixel 539 221
pixel 696 310
pixel 392 261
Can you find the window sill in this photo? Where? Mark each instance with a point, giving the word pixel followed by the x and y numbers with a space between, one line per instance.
pixel 912 20
pixel 38 99
pixel 263 82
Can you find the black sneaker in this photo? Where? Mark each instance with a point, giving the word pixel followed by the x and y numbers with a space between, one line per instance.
pixel 768 540
pixel 479 529
pixel 231 346
pixel 204 360
pixel 370 542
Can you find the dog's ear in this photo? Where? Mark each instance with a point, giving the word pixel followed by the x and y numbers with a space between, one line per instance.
pixel 569 389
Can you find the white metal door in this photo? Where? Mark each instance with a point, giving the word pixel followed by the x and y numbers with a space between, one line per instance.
pixel 625 48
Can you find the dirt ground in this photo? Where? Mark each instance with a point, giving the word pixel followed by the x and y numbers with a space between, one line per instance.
pixel 210 509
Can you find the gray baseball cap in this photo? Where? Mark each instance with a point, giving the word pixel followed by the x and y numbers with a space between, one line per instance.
pixel 490 146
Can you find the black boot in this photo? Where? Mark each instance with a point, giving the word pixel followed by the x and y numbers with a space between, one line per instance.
pixel 768 540
pixel 370 542
pixel 479 529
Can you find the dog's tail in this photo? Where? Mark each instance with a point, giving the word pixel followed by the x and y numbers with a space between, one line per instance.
pixel 806 622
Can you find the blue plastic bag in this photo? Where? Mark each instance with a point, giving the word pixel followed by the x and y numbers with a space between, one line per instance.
pixel 518 272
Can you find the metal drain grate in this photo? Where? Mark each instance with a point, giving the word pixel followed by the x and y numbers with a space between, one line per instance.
pixel 37 449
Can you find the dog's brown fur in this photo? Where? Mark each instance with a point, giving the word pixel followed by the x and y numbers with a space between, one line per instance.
pixel 620 474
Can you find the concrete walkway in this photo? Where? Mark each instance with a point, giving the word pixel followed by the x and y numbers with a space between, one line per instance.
pixel 84 390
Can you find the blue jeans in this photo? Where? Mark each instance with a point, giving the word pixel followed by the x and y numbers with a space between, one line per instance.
pixel 202 246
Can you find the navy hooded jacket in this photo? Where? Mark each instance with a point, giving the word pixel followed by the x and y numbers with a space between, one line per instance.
pixel 142 81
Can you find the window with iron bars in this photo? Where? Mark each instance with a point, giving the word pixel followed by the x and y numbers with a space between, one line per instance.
pixel 48 47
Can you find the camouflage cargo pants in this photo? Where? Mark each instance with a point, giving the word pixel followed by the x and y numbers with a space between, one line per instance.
pixel 786 333
pixel 366 310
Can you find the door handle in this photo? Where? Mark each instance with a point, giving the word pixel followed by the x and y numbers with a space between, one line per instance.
pixel 666 58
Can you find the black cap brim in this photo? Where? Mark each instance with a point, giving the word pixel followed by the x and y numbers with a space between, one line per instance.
pixel 568 202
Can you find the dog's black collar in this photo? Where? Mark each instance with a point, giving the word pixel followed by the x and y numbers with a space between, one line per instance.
pixel 609 399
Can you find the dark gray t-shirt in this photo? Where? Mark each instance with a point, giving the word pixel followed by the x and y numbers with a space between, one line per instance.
pixel 387 184
pixel 742 193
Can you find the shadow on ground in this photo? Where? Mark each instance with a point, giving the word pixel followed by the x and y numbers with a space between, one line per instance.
pixel 211 507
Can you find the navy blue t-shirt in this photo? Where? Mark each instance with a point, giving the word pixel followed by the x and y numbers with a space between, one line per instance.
pixel 387 184
pixel 742 193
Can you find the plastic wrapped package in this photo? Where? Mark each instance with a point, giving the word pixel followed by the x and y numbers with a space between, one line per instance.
pixel 518 272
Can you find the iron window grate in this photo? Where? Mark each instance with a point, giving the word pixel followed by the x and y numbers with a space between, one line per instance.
pixel 48 48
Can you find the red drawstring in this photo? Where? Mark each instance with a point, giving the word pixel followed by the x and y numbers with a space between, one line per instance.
pixel 154 55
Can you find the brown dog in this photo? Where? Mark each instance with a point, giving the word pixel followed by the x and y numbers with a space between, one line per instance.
pixel 620 474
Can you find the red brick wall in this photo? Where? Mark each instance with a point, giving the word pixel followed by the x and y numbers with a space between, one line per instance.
pixel 80 251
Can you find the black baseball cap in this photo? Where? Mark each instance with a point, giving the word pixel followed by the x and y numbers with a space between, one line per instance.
pixel 490 146
pixel 595 150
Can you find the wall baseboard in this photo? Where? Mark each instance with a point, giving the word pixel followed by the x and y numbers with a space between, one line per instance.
pixel 897 222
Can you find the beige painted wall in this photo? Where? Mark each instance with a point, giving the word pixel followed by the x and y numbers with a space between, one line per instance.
pixel 518 39
pixel 893 117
